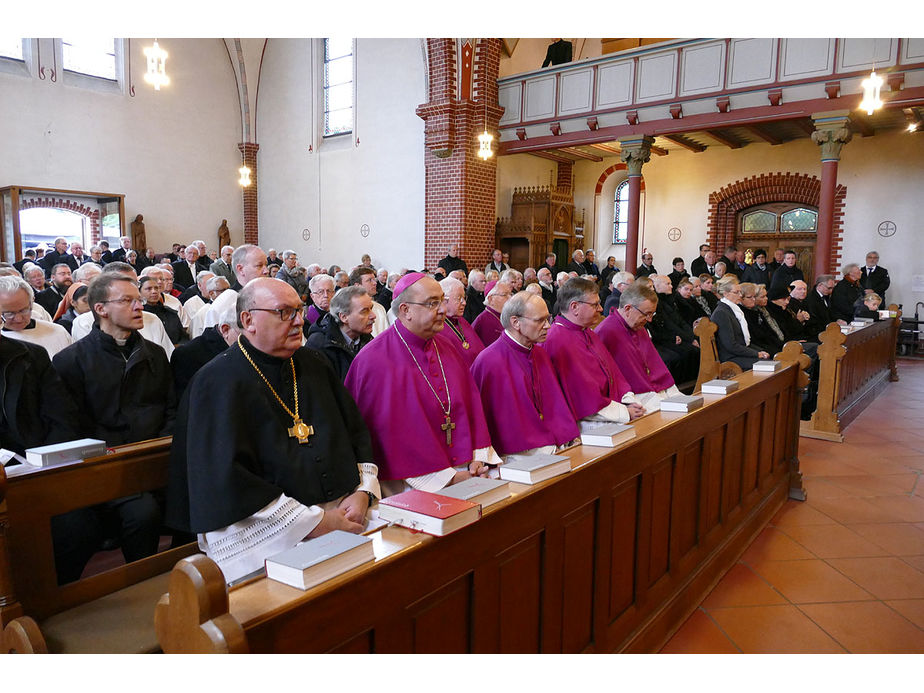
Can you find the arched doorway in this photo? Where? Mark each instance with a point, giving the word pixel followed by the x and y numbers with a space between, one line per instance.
pixel 783 225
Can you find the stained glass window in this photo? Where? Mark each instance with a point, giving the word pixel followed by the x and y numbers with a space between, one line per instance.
pixel 338 86
pixel 89 56
pixel 760 222
pixel 621 213
pixel 799 221
pixel 11 48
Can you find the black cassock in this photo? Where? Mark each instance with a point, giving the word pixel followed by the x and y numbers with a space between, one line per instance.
pixel 232 454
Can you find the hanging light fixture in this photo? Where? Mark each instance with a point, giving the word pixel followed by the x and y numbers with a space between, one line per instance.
pixel 244 180
pixel 157 66
pixel 871 86
pixel 485 138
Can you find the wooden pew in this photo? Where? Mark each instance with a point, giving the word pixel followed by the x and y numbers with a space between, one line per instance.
pixel 612 557
pixel 709 366
pixel 107 612
pixel 853 369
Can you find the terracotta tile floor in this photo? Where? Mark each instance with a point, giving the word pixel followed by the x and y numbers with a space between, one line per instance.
pixel 843 571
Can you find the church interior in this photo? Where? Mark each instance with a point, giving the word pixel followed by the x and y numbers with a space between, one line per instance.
pixel 624 146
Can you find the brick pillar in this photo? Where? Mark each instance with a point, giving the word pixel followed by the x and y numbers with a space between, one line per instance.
pixel 832 132
pixel 565 175
pixel 634 151
pixel 461 188
pixel 249 194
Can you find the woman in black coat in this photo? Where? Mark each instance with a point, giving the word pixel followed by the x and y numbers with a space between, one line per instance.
pixel 154 303
pixel 732 341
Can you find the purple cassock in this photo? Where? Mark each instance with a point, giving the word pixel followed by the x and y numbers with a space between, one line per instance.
pixel 402 412
pixel 638 359
pixel 588 375
pixel 488 326
pixel 315 314
pixel 460 333
pixel 522 399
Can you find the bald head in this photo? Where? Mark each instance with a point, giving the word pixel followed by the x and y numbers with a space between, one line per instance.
pixel 269 313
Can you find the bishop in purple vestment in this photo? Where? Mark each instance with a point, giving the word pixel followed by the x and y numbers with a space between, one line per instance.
pixel 458 331
pixel 625 337
pixel 591 380
pixel 418 397
pixel 488 324
pixel 522 399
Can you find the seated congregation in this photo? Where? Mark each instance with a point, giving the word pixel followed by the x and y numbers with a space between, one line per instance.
pixel 289 390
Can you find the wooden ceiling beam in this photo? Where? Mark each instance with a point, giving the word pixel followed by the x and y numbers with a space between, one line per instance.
pixel 659 151
pixel 723 138
pixel 805 124
pixel 605 148
pixel 685 143
pixel 763 134
pixel 862 126
pixel 573 151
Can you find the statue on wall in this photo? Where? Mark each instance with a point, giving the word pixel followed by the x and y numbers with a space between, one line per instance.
pixel 139 239
pixel 224 235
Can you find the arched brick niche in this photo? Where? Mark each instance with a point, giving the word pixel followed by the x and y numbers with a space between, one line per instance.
pixel 69 205
pixel 609 172
pixel 726 202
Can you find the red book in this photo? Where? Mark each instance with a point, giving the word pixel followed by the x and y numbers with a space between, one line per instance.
pixel 428 512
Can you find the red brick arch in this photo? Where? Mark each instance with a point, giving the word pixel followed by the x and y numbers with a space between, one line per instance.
pixel 68 205
pixel 610 171
pixel 726 202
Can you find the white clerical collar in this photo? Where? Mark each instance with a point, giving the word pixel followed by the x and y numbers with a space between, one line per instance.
pixel 516 341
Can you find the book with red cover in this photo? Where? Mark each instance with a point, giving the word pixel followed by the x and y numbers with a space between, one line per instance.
pixel 428 512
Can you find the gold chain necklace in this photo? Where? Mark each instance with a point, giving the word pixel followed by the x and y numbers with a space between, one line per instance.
pixel 299 429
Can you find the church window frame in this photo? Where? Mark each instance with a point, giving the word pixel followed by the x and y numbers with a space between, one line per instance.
pixel 338 87
pixel 621 213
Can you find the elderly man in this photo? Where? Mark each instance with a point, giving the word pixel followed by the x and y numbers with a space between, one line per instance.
pixel 153 329
pixel 497 262
pixel 249 262
pixel 410 373
pixel 847 292
pixel 56 255
pixel 514 278
pixel 452 261
pixel 382 292
pixel 203 261
pixel 222 266
pixel 786 273
pixel 61 279
pixel 798 291
pixel 18 323
pixel 269 447
pixel 874 279
pixel 184 271
pixel 214 287
pixel 590 266
pixel 488 325
pixel 87 272
pixel 624 335
pixel 551 260
pixel 620 281
pixel 75 253
pixel 345 330
pixel 458 330
pixel 365 277
pixel 474 295
pixel 647 268
pixel 118 255
pixel 593 385
pixel 321 289
pixel 169 300
pixel 547 287
pixel 195 296
pixel 188 358
pixel 292 274
pixel 523 402
pixel 577 263
pixel 818 305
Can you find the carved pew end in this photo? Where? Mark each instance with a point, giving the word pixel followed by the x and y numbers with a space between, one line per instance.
pixel 22 636
pixel 193 616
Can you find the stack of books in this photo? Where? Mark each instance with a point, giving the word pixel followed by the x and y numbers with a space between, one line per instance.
pixel 62 453
pixel 719 387
pixel 317 560
pixel 479 490
pixel 681 403
pixel 767 366
pixel 605 434
pixel 431 513
pixel 531 469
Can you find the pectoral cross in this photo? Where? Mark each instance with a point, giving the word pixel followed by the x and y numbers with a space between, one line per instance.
pixel 448 426
pixel 301 431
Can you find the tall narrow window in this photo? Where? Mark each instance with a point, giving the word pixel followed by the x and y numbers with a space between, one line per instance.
pixel 621 213
pixel 338 86
pixel 11 48
pixel 94 57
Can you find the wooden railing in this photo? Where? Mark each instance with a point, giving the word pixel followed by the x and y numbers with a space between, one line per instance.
pixel 612 556
pixel 853 369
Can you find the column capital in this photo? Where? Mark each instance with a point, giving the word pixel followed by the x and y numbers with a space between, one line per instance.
pixel 635 151
pixel 832 132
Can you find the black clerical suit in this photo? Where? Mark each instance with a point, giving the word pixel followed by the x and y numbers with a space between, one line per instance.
pixel 188 358
pixel 182 275
pixel 232 454
pixel 474 304
pixel 820 314
pixel 557 53
pixel 50 298
pixel 451 264
pixel 877 280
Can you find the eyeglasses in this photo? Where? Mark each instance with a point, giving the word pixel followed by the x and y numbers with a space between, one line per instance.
pixel 8 315
pixel 125 301
pixel 429 305
pixel 595 304
pixel 547 319
pixel 285 314
pixel 650 314
pixel 323 292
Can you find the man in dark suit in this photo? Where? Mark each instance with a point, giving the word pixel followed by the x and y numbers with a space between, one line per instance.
pixel 758 272
pixel 497 262
pixel 184 271
pixel 28 256
pixel 577 263
pixel 547 284
pixel 551 260
pixel 647 268
pixel 118 255
pixel 452 261
pixel 787 273
pixel 559 51
pixel 53 295
pixel 58 254
pixel 106 256
pixel 698 266
pixel 818 305
pixel 875 279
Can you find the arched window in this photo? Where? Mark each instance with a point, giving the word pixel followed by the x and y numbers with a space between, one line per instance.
pixel 338 86
pixel 779 217
pixel 621 213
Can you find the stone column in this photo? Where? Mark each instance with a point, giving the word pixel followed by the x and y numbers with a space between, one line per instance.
pixel 249 194
pixel 634 151
pixel 832 132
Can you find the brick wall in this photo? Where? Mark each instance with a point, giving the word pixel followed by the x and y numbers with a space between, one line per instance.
pixel 460 187
pixel 725 203
pixel 91 214
pixel 249 194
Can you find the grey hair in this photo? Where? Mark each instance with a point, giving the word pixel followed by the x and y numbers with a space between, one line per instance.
pixel 574 290
pixel 9 272
pixel 622 278
pixel 343 300
pixel 286 254
pixel 315 282
pixel 202 275
pixel 228 316
pixel 450 283
pixel 823 279
pixel 848 268
pixel 213 283
pixel 636 294
pixel 80 274
pixel 474 273
pixel 227 247
pixel 10 285
pixel 239 256
pixel 515 307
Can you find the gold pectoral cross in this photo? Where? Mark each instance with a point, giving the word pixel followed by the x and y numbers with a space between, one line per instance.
pixel 301 431
pixel 448 426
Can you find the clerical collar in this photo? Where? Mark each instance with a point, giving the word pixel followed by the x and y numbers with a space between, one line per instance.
pixel 261 356
pixel 564 322
pixel 30 326
pixel 410 338
pixel 516 344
